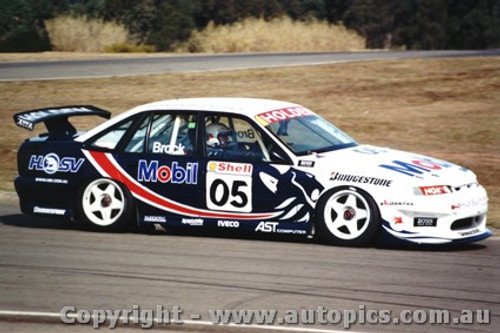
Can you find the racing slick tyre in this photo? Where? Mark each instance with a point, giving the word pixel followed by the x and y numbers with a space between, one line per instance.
pixel 104 204
pixel 348 216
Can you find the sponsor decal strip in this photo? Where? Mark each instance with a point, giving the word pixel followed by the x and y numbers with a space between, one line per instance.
pixel 274 116
pixel 417 166
pixel 425 222
pixel 336 176
pixel 49 211
pixel 434 190
pixel 106 163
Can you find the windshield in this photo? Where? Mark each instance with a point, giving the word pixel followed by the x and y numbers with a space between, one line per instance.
pixel 306 134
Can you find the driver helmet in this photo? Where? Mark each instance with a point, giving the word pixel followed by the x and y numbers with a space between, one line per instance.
pixel 218 135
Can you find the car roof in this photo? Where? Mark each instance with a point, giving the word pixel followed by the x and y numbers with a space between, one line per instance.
pixel 247 106
pixel 244 106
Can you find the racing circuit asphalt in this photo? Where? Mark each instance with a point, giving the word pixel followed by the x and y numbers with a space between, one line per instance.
pixel 47 264
pixel 71 69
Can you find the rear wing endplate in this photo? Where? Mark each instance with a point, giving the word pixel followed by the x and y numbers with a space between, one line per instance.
pixel 56 116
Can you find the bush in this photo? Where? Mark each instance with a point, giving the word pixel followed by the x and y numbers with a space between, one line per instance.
pixel 278 35
pixel 80 34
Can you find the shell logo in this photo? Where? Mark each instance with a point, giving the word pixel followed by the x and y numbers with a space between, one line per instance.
pixel 230 168
pixel 212 166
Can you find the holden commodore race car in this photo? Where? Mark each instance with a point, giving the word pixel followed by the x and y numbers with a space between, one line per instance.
pixel 261 166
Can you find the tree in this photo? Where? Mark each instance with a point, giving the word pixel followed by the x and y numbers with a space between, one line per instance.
pixel 230 11
pixel 88 8
pixel 21 24
pixel 469 23
pixel 335 9
pixel 173 23
pixel 304 9
pixel 415 24
pixel 373 19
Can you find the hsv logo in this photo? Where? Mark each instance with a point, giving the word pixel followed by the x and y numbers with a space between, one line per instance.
pixel 51 163
pixel 175 174
pixel 230 168
pixel 434 190
pixel 417 166
pixel 275 116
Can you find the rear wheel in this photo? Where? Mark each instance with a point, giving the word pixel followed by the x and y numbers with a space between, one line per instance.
pixel 348 216
pixel 106 205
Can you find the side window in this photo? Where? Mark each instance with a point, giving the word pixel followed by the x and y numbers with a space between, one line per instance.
pixel 136 143
pixel 172 134
pixel 235 138
pixel 112 136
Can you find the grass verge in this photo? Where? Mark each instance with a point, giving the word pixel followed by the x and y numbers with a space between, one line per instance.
pixel 81 34
pixel 281 34
pixel 446 108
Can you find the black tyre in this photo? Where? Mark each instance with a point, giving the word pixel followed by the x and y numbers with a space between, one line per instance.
pixel 348 216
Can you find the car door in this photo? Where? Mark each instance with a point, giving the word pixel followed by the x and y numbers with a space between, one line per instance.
pixel 246 172
pixel 160 157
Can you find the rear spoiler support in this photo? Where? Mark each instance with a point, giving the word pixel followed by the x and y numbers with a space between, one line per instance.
pixel 56 118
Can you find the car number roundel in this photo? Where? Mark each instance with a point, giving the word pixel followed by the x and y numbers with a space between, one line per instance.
pixel 229 186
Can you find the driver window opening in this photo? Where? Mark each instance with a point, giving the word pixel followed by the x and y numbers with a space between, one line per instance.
pixel 236 139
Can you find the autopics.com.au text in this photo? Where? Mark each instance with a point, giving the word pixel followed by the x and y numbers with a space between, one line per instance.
pixel 160 315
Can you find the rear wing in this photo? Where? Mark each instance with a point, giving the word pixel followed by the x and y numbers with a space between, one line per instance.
pixel 56 118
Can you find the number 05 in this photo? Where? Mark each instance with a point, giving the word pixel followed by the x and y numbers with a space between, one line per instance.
pixel 221 195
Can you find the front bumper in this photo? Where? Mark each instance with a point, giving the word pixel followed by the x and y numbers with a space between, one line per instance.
pixel 440 219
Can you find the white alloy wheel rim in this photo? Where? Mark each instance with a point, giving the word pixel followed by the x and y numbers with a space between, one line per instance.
pixel 103 202
pixel 346 214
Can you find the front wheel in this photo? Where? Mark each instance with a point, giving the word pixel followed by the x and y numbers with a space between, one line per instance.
pixel 105 205
pixel 348 216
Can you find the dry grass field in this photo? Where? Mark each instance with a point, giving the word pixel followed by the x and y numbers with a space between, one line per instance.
pixel 446 108
pixel 80 34
pixel 278 35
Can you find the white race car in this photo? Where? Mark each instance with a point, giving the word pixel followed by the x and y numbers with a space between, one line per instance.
pixel 261 166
